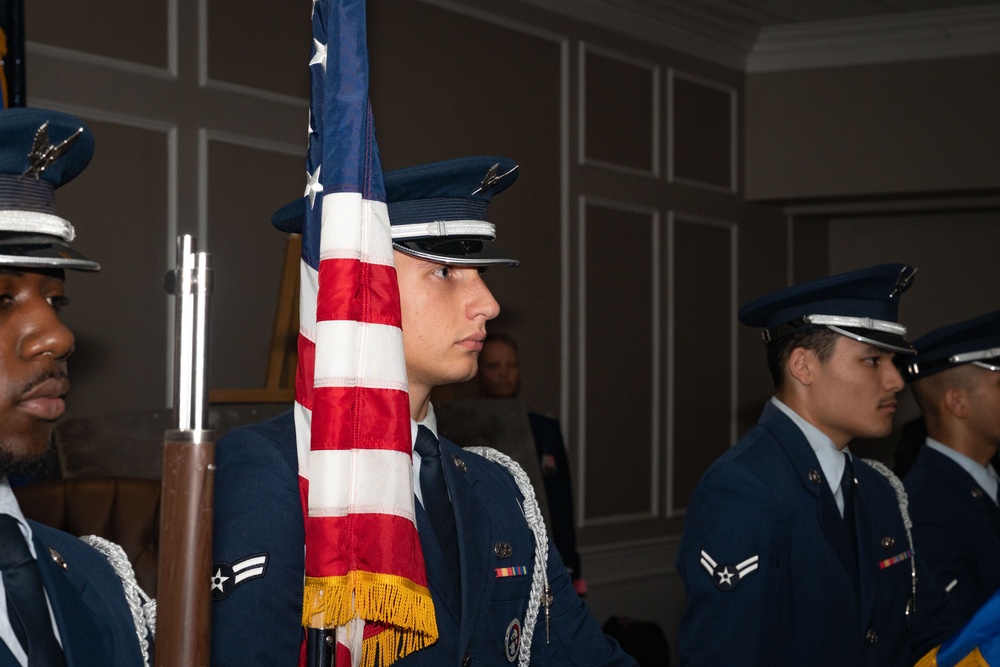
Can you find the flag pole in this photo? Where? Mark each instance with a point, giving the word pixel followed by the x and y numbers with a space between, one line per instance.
pixel 321 647
pixel 184 598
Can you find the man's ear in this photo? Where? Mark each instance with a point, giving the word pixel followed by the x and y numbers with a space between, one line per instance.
pixel 801 365
pixel 955 401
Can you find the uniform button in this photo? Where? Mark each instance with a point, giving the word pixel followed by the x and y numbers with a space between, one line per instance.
pixel 871 636
pixel 814 477
pixel 467 661
pixel 888 541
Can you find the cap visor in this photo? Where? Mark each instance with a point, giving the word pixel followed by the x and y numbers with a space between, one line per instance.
pixel 457 252
pixel 42 252
pixel 880 339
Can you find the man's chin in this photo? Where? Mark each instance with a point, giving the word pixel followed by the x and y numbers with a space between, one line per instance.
pixel 39 466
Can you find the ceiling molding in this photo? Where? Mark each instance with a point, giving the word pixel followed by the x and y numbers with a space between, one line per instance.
pixel 674 24
pixel 734 41
pixel 892 38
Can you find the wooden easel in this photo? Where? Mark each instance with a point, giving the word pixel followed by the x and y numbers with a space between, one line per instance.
pixel 279 386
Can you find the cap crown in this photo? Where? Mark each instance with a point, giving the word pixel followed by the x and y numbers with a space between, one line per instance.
pixel 40 150
pixel 862 304
pixel 970 341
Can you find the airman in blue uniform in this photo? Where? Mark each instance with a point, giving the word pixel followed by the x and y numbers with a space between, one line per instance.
pixel 62 602
pixel 955 378
pixel 480 580
pixel 795 552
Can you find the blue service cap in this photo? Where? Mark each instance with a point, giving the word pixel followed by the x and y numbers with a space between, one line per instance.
pixel 975 341
pixel 40 150
pixel 437 211
pixel 859 304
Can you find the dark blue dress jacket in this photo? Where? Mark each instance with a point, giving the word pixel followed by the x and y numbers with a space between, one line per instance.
pixel 958 529
pixel 258 515
pixel 88 603
pixel 768 568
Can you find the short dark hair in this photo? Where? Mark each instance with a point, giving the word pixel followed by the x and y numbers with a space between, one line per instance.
pixel 818 339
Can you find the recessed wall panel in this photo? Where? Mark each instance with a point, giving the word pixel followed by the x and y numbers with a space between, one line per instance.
pixel 702 368
pixel 619 361
pixel 119 315
pixel 135 31
pixel 246 185
pixel 619 111
pixel 702 121
pixel 250 44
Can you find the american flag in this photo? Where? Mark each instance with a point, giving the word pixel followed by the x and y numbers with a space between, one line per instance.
pixel 365 571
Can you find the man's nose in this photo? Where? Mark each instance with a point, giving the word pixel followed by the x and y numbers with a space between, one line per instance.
pixel 46 334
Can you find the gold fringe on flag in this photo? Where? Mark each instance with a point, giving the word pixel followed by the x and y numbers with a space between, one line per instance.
pixel 973 659
pixel 403 607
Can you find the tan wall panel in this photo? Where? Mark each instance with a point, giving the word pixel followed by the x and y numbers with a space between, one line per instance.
pixel 703 316
pixel 620 111
pixel 245 186
pixel 702 121
pixel 135 32
pixel 269 50
pixel 119 315
pixel 892 128
pixel 619 357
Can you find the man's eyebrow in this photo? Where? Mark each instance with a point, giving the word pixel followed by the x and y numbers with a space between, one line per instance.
pixel 7 271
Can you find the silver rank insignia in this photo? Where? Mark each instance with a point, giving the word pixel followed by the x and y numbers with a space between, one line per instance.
pixel 43 153
pixel 227 576
pixel 492 178
pixel 725 577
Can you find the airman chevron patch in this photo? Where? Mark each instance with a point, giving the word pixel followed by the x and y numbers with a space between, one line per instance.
pixel 725 577
pixel 228 576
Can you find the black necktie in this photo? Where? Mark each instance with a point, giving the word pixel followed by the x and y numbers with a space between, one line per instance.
pixel 847 491
pixel 435 497
pixel 26 607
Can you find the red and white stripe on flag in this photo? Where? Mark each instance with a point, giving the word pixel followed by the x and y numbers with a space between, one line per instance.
pixel 363 557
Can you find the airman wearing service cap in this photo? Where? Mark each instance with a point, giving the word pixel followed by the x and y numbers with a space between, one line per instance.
pixel 955 378
pixel 480 563
pixel 794 550
pixel 65 603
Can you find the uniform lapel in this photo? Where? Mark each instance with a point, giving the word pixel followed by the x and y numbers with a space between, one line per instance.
pixel 82 638
pixel 867 541
pixel 473 523
pixel 438 579
pixel 807 467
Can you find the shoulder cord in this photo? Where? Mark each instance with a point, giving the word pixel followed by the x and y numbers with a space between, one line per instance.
pixel 901 498
pixel 539 577
pixel 143 608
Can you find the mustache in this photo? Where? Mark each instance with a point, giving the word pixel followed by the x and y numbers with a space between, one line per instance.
pixel 54 374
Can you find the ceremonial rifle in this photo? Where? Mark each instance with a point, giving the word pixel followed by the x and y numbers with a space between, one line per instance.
pixel 184 597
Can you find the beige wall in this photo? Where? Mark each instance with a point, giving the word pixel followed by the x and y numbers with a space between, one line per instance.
pixel 913 127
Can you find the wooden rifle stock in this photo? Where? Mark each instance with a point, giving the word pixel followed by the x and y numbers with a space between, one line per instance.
pixel 183 622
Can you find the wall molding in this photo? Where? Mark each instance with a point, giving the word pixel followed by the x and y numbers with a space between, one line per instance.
pixel 585 48
pixel 674 217
pixel 734 157
pixel 952 33
pixel 656 425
